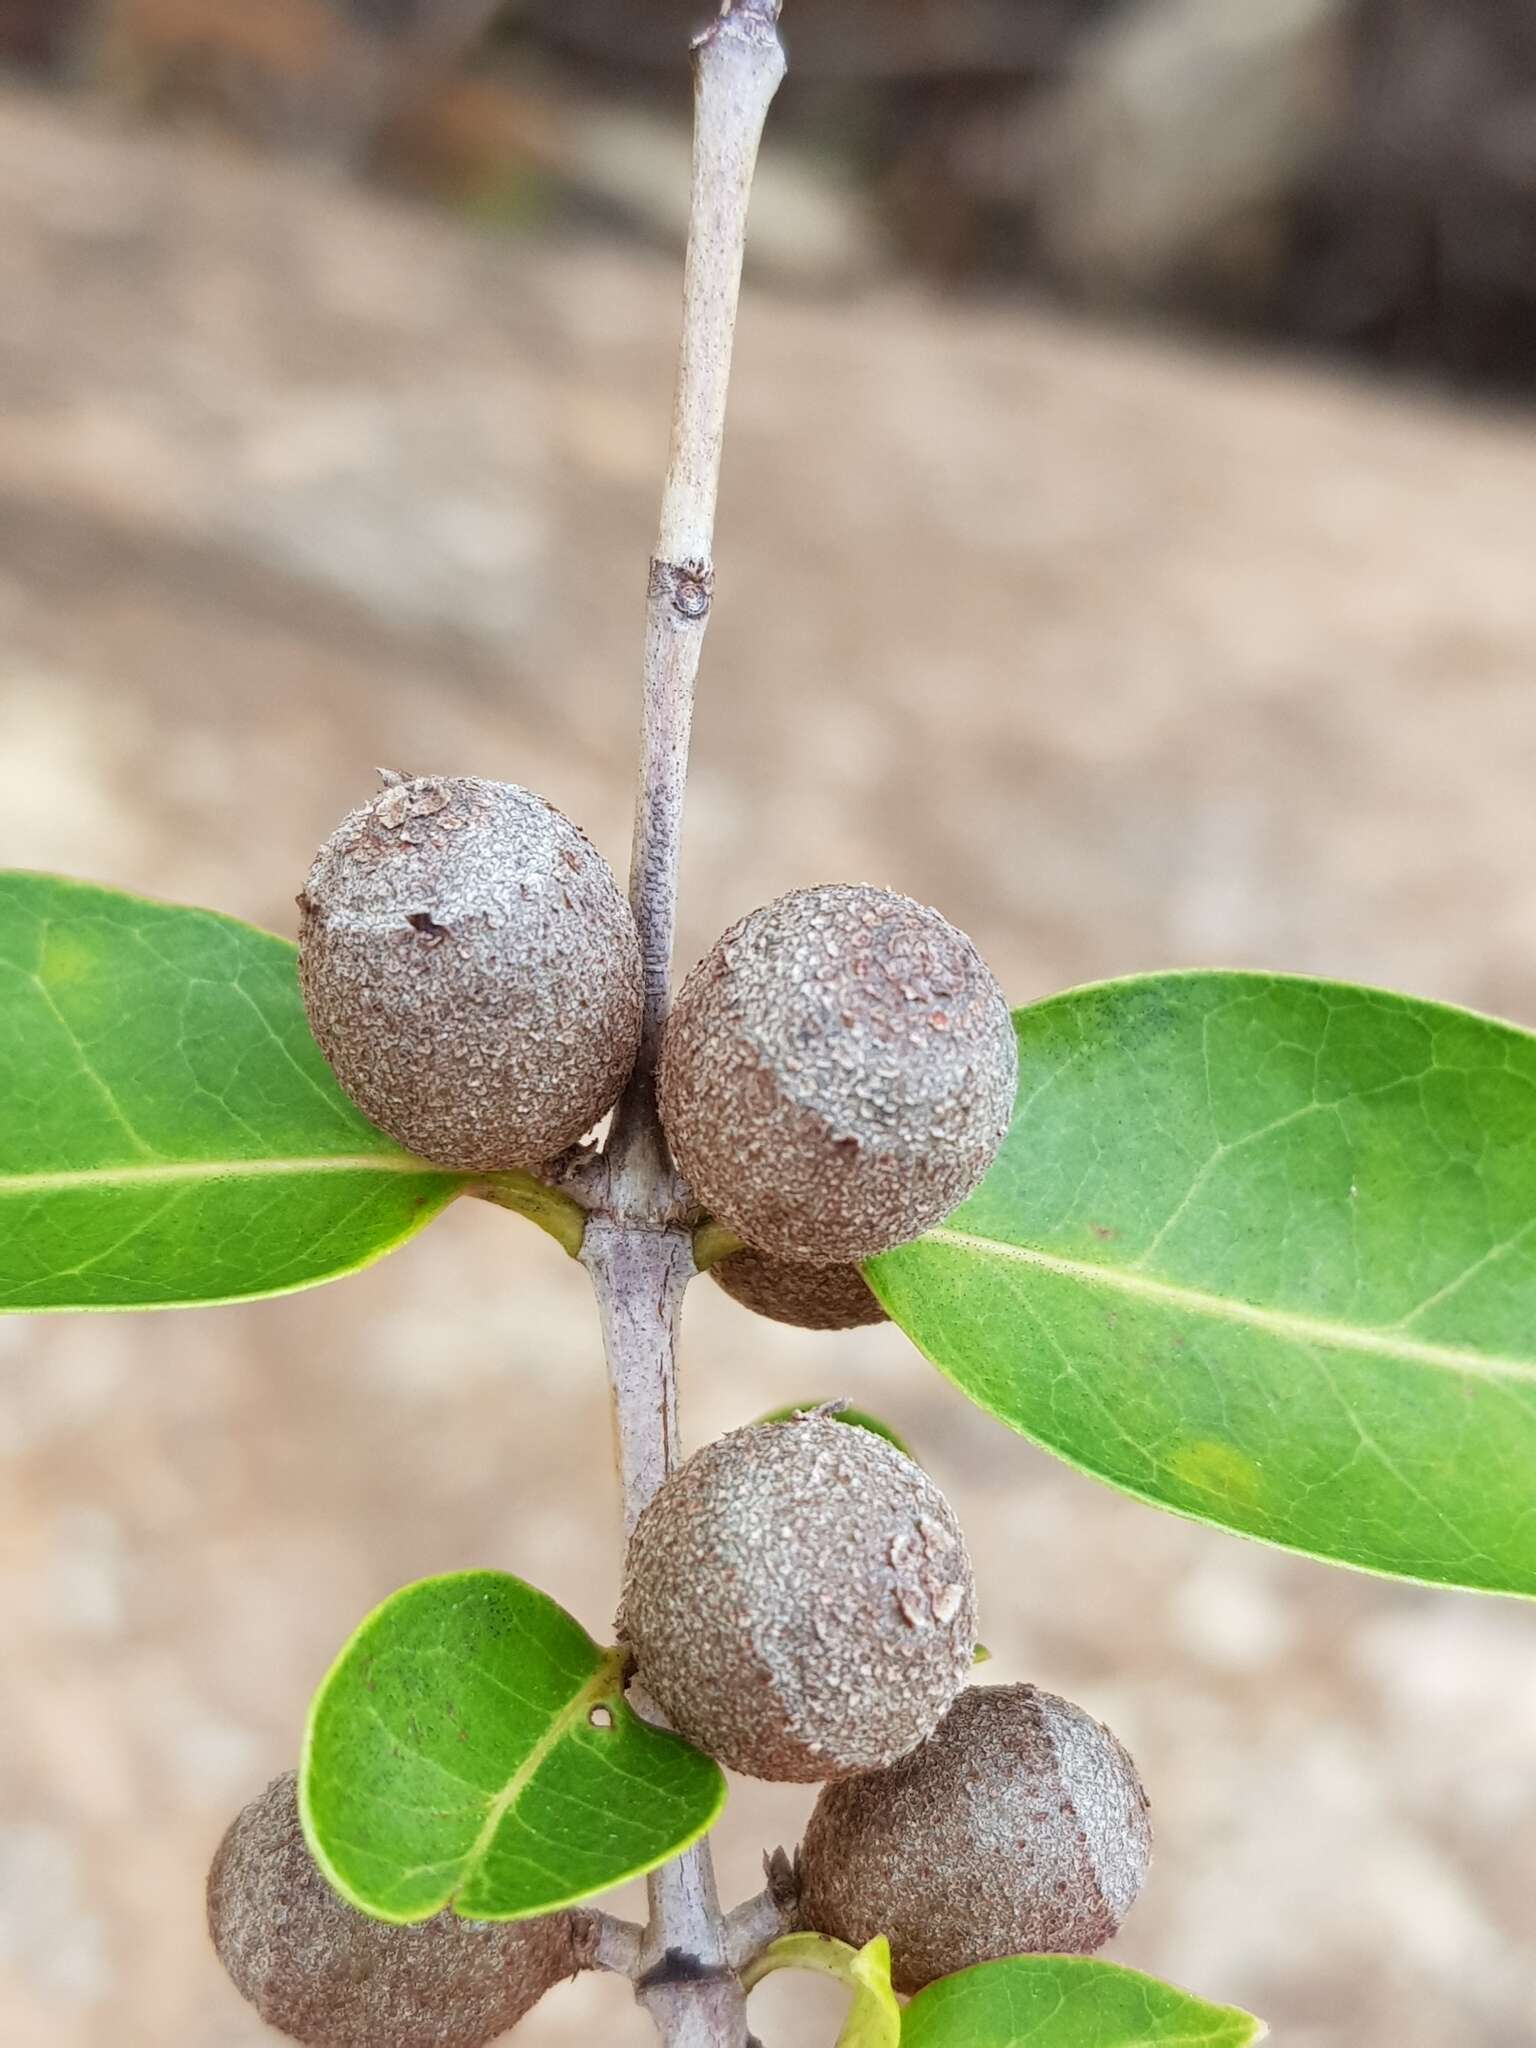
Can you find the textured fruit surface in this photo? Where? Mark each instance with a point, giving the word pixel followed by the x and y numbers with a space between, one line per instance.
pixel 837 1074
pixel 1020 1827
pixel 320 1971
pixel 793 1291
pixel 471 971
pixel 799 1600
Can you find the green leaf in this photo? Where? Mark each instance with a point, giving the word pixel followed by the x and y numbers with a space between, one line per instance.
pixel 472 1746
pixel 1263 1251
pixel 169 1132
pixel 874 2017
pixel 1068 2002
pixel 856 1418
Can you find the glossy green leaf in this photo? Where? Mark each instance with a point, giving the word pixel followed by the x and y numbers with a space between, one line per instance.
pixel 856 1418
pixel 874 2017
pixel 1068 2002
pixel 169 1132
pixel 472 1746
pixel 1263 1251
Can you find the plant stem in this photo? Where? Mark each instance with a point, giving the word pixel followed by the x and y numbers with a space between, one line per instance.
pixel 609 1944
pixel 549 1207
pixel 638 1272
pixel 757 1923
pixel 637 1245
pixel 738 63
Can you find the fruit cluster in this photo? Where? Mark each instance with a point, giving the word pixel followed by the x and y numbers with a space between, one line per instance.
pixel 835 1077
pixel 799 1601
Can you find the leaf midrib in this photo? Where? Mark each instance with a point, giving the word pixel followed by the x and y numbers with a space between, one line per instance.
pixel 212 1169
pixel 1289 1323
pixel 598 1690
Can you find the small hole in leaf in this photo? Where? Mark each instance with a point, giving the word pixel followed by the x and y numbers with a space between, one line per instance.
pixel 600 1717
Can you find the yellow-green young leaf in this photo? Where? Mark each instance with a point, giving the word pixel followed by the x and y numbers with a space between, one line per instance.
pixel 1068 2002
pixel 1263 1251
pixel 472 1746
pixel 169 1132
pixel 874 2017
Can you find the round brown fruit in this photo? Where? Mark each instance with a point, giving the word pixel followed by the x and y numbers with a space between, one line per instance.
pixel 1019 1827
pixel 471 971
pixel 837 1074
pixel 799 1601
pixel 320 1971
pixel 791 1291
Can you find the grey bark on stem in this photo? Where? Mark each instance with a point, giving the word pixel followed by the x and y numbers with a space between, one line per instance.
pixel 756 1923
pixel 637 1246
pixel 738 63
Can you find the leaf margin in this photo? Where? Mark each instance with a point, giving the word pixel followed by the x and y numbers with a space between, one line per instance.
pixel 1090 1967
pixel 610 1668
pixel 442 1185
pixel 1452 1014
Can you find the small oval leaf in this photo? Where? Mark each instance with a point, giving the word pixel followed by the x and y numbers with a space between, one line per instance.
pixel 472 1746
pixel 1068 2002
pixel 1262 1250
pixel 169 1132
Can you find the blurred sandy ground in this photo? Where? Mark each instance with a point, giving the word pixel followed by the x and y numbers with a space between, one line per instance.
pixel 1124 655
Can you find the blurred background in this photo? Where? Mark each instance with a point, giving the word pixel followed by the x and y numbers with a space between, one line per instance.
pixel 1126 544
